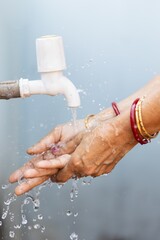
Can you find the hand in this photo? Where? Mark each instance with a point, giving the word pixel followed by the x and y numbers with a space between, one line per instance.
pixel 99 150
pixel 29 170
pixel 35 174
pixel 58 136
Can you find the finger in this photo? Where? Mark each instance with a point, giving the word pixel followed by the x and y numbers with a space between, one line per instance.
pixel 15 176
pixel 70 146
pixel 19 173
pixel 58 162
pixel 35 173
pixel 45 143
pixel 29 184
pixel 65 174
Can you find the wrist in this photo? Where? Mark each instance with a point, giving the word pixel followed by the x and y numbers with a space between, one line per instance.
pixel 151 112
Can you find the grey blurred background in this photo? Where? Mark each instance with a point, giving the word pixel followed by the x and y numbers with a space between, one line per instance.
pixel 112 48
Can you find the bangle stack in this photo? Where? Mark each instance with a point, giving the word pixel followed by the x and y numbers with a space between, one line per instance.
pixel 138 129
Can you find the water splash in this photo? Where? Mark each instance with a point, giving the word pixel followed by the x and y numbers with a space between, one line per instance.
pixel 11 234
pixel 68 213
pixel 37 226
pixel 5 186
pixel 30 198
pixel 76 214
pixel 74 236
pixel 43 229
pixel 18 226
pixel 40 217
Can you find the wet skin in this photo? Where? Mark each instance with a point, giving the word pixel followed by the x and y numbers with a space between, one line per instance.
pixel 89 153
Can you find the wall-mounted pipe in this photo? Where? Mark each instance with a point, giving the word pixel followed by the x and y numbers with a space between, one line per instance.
pixel 9 89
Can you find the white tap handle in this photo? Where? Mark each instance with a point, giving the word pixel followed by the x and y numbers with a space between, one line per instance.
pixel 50 54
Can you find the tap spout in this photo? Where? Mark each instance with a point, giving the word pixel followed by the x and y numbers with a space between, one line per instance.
pixel 51 83
pixel 67 88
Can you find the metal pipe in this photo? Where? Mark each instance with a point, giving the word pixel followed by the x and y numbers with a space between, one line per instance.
pixel 9 89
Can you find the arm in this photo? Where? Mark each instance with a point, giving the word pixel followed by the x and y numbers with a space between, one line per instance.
pixel 108 141
pixel 101 149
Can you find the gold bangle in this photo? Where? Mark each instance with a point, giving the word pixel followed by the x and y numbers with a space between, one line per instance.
pixel 140 124
pixel 86 120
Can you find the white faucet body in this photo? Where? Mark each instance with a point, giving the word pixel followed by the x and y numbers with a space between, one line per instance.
pixel 52 84
pixel 51 63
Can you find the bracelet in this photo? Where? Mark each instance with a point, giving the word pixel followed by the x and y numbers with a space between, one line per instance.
pixel 86 120
pixel 134 127
pixel 138 129
pixel 115 108
pixel 139 121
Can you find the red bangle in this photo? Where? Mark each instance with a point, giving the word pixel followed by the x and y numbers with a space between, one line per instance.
pixel 115 108
pixel 135 131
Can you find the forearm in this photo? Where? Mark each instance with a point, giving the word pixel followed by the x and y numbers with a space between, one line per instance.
pixel 144 91
pixel 151 111
pixel 126 103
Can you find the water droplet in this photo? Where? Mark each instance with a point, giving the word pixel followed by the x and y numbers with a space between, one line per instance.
pixel 4 215
pixel 12 234
pixel 0 223
pixel 68 213
pixel 7 202
pixel 84 182
pixel 18 226
pixel 76 214
pixel 36 204
pixel 71 196
pixel 26 201
pixel 40 216
pixel 42 229
pixel 74 236
pixel 12 218
pixel 29 227
pixel 5 186
pixel 37 226
pixel 59 186
pixel 24 220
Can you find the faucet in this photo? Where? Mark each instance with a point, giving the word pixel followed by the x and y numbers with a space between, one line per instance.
pixel 51 63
